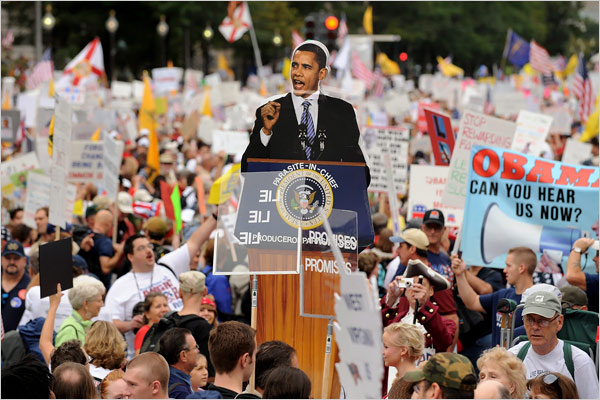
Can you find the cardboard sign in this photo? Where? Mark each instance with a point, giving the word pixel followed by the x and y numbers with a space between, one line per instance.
pixel 576 152
pixel 392 140
pixel 38 196
pixel 60 162
pixel 166 79
pixel 27 104
pixel 232 142
pixel 426 188
pixel 475 129
pixel 113 153
pixel 519 200
pixel 473 99
pixel 561 119
pixel 11 120
pixel 86 161
pixel 56 266
pixel 441 135
pixel 121 90
pixel 531 132
pixel 509 103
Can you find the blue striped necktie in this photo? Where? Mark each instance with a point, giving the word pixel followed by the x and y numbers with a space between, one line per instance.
pixel 310 127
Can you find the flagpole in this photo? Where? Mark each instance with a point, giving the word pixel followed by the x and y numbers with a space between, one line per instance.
pixel 255 46
pixel 506 50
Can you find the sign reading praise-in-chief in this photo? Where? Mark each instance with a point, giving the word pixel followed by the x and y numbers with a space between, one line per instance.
pixel 519 200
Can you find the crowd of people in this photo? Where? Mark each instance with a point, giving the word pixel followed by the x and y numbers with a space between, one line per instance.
pixel 147 317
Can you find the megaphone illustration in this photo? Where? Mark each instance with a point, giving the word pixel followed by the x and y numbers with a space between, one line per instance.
pixel 499 233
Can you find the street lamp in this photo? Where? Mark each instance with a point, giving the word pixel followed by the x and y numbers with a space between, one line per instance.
pixel 111 26
pixel 48 21
pixel 208 32
pixel 163 29
pixel 277 39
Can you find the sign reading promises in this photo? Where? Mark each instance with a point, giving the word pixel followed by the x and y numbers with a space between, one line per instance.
pixel 392 140
pixel 475 129
pixel 519 200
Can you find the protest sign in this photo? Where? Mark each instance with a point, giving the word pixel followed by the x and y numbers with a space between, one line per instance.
pixel 231 142
pixel 392 140
pixel 358 336
pixel 426 188
pixel 27 103
pixel 138 90
pixel 11 120
pixel 38 196
pixel 206 126
pixel 508 103
pixel 561 119
pixel 192 79
pixel 473 99
pixel 531 132
pixel 56 266
pixel 519 200
pixel 475 129
pixel 441 135
pixel 396 104
pixel 426 83
pixel 422 120
pixel 86 161
pixel 113 153
pixel 60 162
pixel 576 152
pixel 229 92
pixel 121 90
pixel 14 176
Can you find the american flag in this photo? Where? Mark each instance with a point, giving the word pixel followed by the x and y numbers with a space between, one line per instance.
pixel 378 83
pixel 361 71
pixel 146 210
pixel 8 39
pixel 342 31
pixel 42 72
pixel 296 38
pixel 582 89
pixel 539 58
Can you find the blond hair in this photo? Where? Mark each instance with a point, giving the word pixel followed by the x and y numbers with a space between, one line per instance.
pixel 154 367
pixel 510 364
pixel 105 344
pixel 409 335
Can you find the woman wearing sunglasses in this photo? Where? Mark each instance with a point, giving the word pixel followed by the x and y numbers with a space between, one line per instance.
pixel 552 385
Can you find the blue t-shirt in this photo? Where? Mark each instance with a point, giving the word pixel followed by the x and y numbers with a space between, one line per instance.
pixel 218 286
pixel 591 289
pixel 489 303
pixel 441 264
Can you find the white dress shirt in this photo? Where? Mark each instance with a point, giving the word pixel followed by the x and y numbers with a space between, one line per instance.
pixel 299 109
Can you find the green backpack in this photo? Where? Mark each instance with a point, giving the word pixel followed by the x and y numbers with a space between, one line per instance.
pixel 566 350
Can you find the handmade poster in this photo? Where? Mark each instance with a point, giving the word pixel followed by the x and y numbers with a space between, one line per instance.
pixel 576 152
pixel 38 196
pixel 113 153
pixel 86 161
pixel 441 134
pixel 10 125
pixel 475 129
pixel 519 200
pixel 376 141
pixel 531 132
pixel 166 79
pixel 231 142
pixel 60 162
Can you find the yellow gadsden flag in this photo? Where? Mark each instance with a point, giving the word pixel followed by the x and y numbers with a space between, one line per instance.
pixel 96 135
pixel 146 118
pixel 449 69
pixel 388 67
pixel 591 126
pixel 368 20
pixel 222 189
pixel 287 67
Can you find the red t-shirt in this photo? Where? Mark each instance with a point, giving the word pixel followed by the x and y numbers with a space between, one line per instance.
pixel 139 337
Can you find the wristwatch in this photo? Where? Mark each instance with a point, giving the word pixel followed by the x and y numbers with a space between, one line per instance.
pixel 576 250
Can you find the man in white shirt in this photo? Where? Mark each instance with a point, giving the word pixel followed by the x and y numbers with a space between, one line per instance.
pixel 543 320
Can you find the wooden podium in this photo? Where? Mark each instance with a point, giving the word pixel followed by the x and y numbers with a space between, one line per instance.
pixel 278 296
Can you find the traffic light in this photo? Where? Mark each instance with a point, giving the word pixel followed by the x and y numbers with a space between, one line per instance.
pixel 331 24
pixel 309 26
pixel 403 56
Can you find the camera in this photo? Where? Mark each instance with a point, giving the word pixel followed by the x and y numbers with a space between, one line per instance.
pixel 404 283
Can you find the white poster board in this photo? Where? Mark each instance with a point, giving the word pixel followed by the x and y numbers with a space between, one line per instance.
pixel 86 161
pixel 475 128
pixel 531 132
pixel 576 152
pixel 393 140
pixel 60 162
pixel 509 103
pixel 166 79
pixel 427 183
pixel 113 153
pixel 121 90
pixel 561 119
pixel 38 196
pixel 231 142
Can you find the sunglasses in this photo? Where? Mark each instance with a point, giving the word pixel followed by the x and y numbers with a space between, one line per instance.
pixel 550 379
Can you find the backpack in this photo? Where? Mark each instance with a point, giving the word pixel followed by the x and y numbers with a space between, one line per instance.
pixel 170 320
pixel 568 354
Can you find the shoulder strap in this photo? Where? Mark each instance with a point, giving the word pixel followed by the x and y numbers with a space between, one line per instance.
pixel 523 352
pixel 173 386
pixel 169 268
pixel 568 354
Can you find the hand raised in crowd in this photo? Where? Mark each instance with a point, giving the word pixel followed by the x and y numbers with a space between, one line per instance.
pixel 55 298
pixel 583 243
pixel 394 291
pixel 270 114
pixel 419 293
pixel 118 247
pixel 458 265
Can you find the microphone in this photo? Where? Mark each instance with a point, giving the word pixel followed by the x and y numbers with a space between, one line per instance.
pixel 302 135
pixel 321 136
pixel 506 306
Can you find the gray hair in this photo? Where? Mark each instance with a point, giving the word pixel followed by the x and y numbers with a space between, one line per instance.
pixel 85 288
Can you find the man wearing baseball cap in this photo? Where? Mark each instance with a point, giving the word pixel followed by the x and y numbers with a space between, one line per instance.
pixel 434 227
pixel 14 284
pixel 545 352
pixel 573 298
pixel 444 376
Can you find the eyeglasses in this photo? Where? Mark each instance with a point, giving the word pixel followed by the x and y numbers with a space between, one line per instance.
pixel 542 323
pixel 188 349
pixel 143 248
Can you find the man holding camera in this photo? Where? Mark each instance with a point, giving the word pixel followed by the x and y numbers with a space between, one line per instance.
pixel 410 299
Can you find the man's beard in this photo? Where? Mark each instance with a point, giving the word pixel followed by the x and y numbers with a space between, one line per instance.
pixel 14 271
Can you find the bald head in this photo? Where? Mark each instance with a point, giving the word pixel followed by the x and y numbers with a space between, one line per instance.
pixel 490 389
pixel 103 222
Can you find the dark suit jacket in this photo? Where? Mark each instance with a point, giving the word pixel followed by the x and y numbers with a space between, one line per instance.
pixel 336 118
